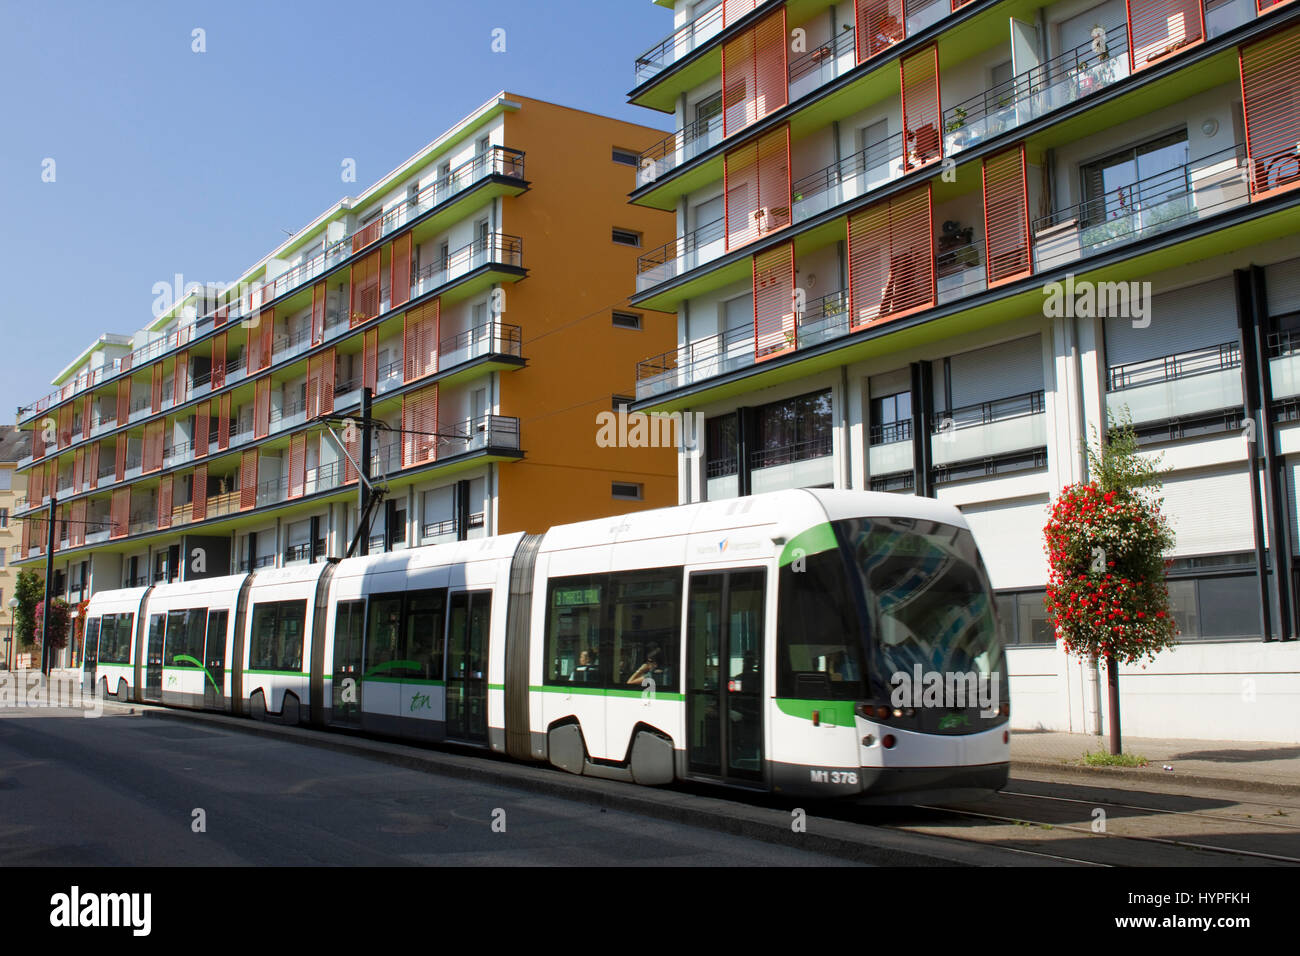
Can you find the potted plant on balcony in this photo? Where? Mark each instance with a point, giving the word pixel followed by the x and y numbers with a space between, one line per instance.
pixel 956 129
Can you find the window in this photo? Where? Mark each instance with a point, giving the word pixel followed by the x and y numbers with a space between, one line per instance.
pixel 626 157
pixel 6 479
pixel 626 490
pixel 4 515
pixel 626 237
pixel 215 646
pixel 1136 178
pixel 404 636
pixel 818 650
pixel 721 446
pixel 116 631
pixel 708 114
pixel 794 430
pixel 1022 618
pixel 891 418
pixel 615 630
pixel 278 636
pixel 627 320
pixel 183 640
pixel 483 145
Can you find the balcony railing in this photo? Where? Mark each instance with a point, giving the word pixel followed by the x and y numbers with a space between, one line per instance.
pixel 1202 187
pixel 680 147
pixel 1060 81
pixel 682 41
pixel 986 413
pixel 1166 368
pixel 889 432
pixel 493 249
pixel 855 175
pixel 497 160
pixel 817 447
pixel 681 255
pixel 817 67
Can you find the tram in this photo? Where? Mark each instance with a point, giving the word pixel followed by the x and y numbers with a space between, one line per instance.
pixel 755 642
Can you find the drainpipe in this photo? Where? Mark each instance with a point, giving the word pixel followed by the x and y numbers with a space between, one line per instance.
pixel 846 445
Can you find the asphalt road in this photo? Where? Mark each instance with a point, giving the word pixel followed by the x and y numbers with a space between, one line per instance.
pixel 124 790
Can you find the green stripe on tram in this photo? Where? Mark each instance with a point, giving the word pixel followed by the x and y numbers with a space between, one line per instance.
pixel 834 713
pixel 600 691
pixel 813 541
pixel 188 659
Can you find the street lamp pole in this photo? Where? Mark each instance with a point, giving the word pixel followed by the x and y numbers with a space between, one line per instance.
pixel 13 611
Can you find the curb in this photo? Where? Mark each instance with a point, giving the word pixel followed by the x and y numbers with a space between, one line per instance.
pixel 860 843
pixel 1201 781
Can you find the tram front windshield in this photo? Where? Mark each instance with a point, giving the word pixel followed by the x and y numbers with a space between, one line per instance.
pixel 896 593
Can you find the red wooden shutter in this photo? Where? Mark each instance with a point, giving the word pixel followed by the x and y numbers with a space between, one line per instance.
pixel 367 234
pixel 891 259
pixel 1265 5
pixel 419 422
pixel 202 428
pixel 123 400
pixel 262 408
pixel 65 426
pixel 266 335
pixel 399 282
pixel 880 24
pixel 92 466
pixel 248 480
pixel 958 4
pixel 120 513
pixel 1268 81
pixel 155 392
pixel 181 378
pixel 223 423
pixel 370 360
pixel 199 501
pixel 60 526
pixel 38 442
pixel 1157 28
pixel 755 80
pixel 733 10
pixel 120 463
pixel 919 76
pixel 87 407
pixel 364 300
pixel 297 465
pixel 165 490
pixel 352 442
pixel 775 331
pixel 318 293
pixel 1006 217
pixel 756 183
pixel 219 361
pixel 328 360
pixel 78 522
pixel 420 341
pixel 78 470
pixel 313 387
pixel 152 447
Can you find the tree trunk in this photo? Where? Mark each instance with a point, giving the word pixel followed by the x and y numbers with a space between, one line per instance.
pixel 1112 686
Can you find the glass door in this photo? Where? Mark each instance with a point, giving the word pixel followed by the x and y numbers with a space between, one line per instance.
pixel 724 700
pixel 467 646
pixel 346 690
pixel 214 661
pixel 154 659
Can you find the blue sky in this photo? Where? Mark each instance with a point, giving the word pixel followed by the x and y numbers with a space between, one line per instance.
pixel 170 161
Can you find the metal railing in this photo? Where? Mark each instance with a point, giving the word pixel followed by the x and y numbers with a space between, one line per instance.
pixel 681 255
pixel 817 447
pixel 1166 368
pixel 889 432
pixel 495 248
pixel 986 413
pixel 679 43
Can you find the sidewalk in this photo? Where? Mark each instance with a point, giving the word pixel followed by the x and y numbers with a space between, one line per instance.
pixel 1232 764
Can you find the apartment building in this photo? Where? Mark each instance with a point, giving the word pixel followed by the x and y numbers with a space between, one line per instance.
pixel 929 246
pixel 14 446
pixel 478 292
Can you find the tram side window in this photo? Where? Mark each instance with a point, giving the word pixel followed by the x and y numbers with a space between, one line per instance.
pixel 574 620
pixel 278 636
pixel 404 635
pixel 184 637
pixel 218 622
pixel 645 609
pixel 115 635
pixel 819 655
pixel 92 639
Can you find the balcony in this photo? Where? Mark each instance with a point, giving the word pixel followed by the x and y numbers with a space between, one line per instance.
pixel 679 256
pixel 481 341
pixel 1202 187
pixel 1175 386
pixel 795 465
pixel 853 176
pixel 681 42
pixel 1284 363
pixel 989 429
pixel 493 249
pixel 679 148
pixel 889 448
pixel 1070 76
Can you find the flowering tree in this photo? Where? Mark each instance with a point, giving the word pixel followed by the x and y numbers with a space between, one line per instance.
pixel 1105 541
pixel 60 618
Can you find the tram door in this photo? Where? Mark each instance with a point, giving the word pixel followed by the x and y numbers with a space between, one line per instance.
pixel 467 647
pixel 349 622
pixel 724 701
pixel 90 662
pixel 154 659
pixel 214 661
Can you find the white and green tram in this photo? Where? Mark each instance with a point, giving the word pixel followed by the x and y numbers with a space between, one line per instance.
pixel 753 642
